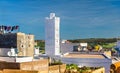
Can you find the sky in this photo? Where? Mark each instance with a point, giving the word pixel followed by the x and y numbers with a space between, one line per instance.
pixel 78 18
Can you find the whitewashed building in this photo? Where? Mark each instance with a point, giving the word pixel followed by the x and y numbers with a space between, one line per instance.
pixel 52 35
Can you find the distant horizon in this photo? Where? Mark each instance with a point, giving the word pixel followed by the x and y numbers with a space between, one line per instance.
pixel 85 38
pixel 78 18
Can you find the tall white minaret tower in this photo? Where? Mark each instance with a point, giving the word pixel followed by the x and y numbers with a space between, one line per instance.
pixel 52 36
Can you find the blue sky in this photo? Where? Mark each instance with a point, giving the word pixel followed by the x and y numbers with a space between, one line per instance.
pixel 79 18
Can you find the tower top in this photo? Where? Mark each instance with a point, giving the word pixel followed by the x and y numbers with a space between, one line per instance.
pixel 52 15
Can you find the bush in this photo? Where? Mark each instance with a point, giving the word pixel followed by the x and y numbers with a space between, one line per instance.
pixel 73 68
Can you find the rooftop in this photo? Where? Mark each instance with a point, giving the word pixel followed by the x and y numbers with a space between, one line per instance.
pixel 79 55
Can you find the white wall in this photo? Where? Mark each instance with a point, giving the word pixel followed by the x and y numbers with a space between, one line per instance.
pixel 7 59
pixel 83 44
pixel 67 47
pixel 118 44
pixel 36 51
pixel 52 35
pixel 4 51
pixel 16 59
pixel 24 59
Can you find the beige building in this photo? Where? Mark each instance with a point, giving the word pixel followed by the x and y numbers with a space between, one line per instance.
pixel 23 42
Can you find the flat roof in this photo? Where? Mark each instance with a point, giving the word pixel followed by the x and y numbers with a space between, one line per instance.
pixel 78 55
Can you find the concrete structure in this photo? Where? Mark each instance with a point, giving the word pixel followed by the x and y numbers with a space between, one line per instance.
pixel 83 46
pixel 52 36
pixel 23 42
pixel 16 59
pixel 70 47
pixel 101 70
pixel 118 46
pixel 65 41
pixel 67 47
pixel 36 51
pixel 90 60
pixel 40 65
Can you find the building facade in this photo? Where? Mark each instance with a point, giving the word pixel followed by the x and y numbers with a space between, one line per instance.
pixel 23 43
pixel 52 36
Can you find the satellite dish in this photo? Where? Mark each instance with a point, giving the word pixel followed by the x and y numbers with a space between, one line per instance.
pixel 9 53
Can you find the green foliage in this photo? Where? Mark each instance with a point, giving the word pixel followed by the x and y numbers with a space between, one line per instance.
pixel 106 43
pixel 109 46
pixel 73 68
pixel 42 51
pixel 41 44
pixel 99 41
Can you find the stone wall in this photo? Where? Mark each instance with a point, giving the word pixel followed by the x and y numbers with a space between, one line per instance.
pixel 23 42
pixel 19 71
pixel 101 70
pixel 57 68
pixel 9 65
pixel 41 65
pixel 1 71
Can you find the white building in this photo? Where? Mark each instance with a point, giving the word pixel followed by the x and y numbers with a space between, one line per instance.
pixel 36 51
pixel 73 47
pixel 52 44
pixel 67 47
pixel 83 46
pixel 118 46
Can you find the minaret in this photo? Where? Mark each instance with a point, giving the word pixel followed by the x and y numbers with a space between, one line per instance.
pixel 52 36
